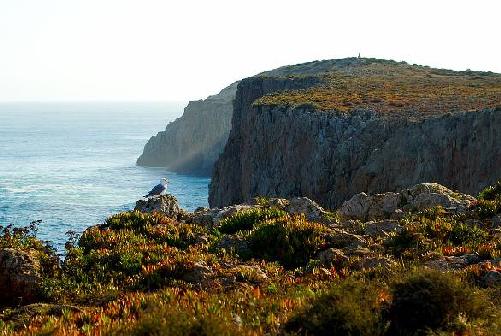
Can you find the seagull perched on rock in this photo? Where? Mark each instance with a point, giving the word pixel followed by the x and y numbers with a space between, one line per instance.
pixel 159 189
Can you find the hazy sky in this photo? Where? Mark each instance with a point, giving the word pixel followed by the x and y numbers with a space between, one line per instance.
pixel 185 49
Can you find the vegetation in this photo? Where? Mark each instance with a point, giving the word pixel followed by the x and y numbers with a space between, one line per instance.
pixel 433 301
pixel 146 274
pixel 489 201
pixel 24 239
pixel 395 89
pixel 292 241
pixel 348 308
pixel 246 220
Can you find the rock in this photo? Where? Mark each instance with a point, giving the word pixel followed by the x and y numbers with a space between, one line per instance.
pixel 369 262
pixel 361 251
pixel 429 195
pixel 333 257
pixel 212 217
pixel 454 262
pixel 204 217
pixel 491 279
pixel 496 221
pixel 389 205
pixel 382 228
pixel 364 207
pixel 280 203
pixel 439 265
pixel 20 276
pixel 199 274
pixel 357 206
pixel 250 273
pixel 342 239
pixel 230 211
pixel 166 204
pixel 304 205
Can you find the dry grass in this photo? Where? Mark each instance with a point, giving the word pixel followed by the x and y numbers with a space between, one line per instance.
pixel 396 88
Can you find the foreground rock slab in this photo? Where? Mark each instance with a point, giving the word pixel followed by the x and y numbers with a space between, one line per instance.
pixel 20 276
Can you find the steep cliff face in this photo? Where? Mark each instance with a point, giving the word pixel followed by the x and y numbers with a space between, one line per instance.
pixel 192 143
pixel 284 145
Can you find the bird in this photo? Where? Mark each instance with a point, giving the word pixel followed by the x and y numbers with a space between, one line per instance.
pixel 159 189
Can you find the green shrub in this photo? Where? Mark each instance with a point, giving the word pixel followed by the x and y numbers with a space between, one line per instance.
pixel 467 235
pixel 150 226
pixel 352 308
pixel 487 208
pixel 292 241
pixel 135 220
pixel 406 241
pixel 21 237
pixel 489 201
pixel 246 220
pixel 491 193
pixel 431 300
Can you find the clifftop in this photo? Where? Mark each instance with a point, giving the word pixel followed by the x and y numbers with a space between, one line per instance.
pixel 387 87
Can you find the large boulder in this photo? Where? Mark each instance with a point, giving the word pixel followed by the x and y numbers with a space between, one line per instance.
pixel 428 195
pixel 496 221
pixel 166 204
pixel 200 273
pixel 20 276
pixel 363 206
pixel 390 204
pixel 304 205
pixel 382 228
pixel 333 257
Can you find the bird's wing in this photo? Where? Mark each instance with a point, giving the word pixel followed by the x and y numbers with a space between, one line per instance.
pixel 157 190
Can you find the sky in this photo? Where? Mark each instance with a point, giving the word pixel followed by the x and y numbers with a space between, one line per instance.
pixel 152 50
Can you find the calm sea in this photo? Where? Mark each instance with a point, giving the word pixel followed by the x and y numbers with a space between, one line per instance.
pixel 73 164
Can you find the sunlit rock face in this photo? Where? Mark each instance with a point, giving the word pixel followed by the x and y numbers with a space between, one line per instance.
pixel 192 143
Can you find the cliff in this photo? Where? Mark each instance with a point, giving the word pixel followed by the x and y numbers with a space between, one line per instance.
pixel 192 143
pixel 328 130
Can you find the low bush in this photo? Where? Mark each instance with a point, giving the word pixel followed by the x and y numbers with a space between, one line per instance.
pixel 248 219
pixel 436 229
pixel 21 237
pixel 463 234
pixel 431 300
pixel 292 241
pixel 491 193
pixel 489 201
pixel 353 308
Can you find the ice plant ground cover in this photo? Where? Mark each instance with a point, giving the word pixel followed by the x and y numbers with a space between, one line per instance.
pixel 266 271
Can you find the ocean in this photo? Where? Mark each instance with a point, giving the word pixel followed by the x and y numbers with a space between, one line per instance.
pixel 72 165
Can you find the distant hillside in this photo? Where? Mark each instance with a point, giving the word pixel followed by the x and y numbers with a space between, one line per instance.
pixel 192 143
pixel 330 129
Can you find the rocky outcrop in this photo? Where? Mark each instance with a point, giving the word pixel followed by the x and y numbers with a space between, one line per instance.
pixel 192 143
pixel 419 197
pixel 165 204
pixel 286 150
pixel 20 276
